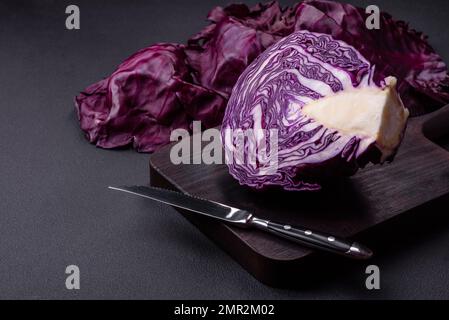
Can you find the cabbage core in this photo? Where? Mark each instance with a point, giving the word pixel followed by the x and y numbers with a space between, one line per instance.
pixel 376 114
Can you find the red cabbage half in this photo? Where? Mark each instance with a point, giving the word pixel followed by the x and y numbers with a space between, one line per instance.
pixel 167 86
pixel 329 115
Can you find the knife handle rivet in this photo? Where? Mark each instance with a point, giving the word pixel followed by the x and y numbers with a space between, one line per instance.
pixel 287 227
pixel 308 232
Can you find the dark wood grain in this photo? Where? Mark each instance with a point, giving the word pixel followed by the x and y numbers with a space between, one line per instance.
pixel 419 175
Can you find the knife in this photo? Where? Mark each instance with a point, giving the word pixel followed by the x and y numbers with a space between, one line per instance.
pixel 242 218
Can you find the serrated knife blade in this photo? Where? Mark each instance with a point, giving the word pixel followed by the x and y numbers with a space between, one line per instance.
pixel 242 218
pixel 206 207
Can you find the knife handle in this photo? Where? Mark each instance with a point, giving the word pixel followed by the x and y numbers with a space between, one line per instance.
pixel 314 239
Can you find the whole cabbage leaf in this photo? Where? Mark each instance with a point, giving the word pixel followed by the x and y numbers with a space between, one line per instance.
pixel 145 99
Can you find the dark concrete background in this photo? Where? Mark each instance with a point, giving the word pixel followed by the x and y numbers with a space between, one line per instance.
pixel 55 209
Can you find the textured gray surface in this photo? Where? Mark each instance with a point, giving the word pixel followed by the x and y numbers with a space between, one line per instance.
pixel 55 209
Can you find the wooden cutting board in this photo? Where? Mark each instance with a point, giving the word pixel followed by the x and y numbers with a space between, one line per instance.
pixel 419 175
